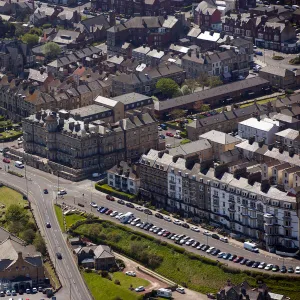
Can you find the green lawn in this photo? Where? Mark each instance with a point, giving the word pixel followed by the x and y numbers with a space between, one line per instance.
pixel 72 219
pixel 105 188
pixel 264 101
pixel 102 288
pixel 185 141
pixel 179 267
pixel 10 134
pixel 60 218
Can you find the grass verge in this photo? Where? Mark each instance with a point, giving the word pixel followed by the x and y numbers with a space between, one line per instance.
pixel 72 219
pixel 103 288
pixel 185 141
pixel 188 269
pixel 60 217
pixel 51 273
pixel 105 188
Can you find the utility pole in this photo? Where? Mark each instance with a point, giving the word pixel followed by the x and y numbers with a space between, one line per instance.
pixel 26 179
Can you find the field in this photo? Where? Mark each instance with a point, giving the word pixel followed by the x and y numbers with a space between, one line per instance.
pixel 186 269
pixel 103 288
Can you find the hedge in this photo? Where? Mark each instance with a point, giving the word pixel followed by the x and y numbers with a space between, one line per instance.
pixel 109 190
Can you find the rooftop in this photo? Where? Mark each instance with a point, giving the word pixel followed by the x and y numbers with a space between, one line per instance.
pixel 255 123
pixel 219 137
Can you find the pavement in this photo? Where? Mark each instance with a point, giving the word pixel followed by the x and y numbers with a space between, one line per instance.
pixel 43 209
pixel 37 296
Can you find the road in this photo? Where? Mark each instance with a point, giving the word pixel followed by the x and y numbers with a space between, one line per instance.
pixel 73 284
pixel 43 208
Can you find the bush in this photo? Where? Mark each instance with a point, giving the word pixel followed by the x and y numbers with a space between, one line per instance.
pixel 87 270
pixel 46 26
pixel 117 282
pixel 277 57
pixel 105 188
pixel 104 274
pixel 289 92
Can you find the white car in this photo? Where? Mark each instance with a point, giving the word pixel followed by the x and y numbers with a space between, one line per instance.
pixel 269 267
pixel 34 290
pixel 176 222
pixel 153 228
pixel 140 289
pixel 180 290
pixel 262 265
pixel 297 270
pixel 210 250
pixel 130 273
pixel 8 293
pixel 168 146
pixel 62 192
pixel 167 218
pixel 93 204
pixel 224 239
pixel 118 216
pixel 206 233
pixel 139 224
pixel 135 221
pixel 161 232
pixel 139 208
pixel 190 242
pixel 196 229
pixel 114 213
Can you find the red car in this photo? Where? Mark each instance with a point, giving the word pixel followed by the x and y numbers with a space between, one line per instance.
pixel 166 233
pixel 109 197
pixel 238 259
pixel 109 212
pixel 168 133
pixel 6 160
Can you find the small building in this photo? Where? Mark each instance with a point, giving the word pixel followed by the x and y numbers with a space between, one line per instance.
pixel 288 139
pixel 278 77
pixel 258 129
pixel 124 176
pixel 95 257
pixel 220 141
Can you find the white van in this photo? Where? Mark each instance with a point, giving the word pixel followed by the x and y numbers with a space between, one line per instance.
pixel 295 7
pixel 251 247
pixel 19 164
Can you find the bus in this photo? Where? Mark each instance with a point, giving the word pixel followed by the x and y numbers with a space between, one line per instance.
pixel 19 164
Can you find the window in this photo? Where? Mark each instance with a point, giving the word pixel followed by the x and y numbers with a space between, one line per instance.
pixel 130 183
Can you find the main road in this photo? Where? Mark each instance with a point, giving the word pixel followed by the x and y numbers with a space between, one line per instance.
pixel 43 209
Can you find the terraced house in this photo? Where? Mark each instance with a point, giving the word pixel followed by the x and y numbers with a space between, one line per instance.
pixel 240 205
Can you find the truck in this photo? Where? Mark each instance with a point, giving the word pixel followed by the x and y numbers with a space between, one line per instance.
pixel 124 219
pixel 251 247
pixel 164 293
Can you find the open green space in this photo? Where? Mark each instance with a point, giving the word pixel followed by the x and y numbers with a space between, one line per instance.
pixel 72 219
pixel 185 268
pixel 9 196
pixel 11 134
pixel 60 217
pixel 103 288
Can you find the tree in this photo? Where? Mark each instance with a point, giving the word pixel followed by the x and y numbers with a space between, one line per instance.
pixel 202 80
pixel 39 244
pixel 36 31
pixel 167 86
pixel 28 235
pixel 51 50
pixel 214 81
pixel 16 213
pixel 192 84
pixel 185 90
pixel 177 113
pixel 30 39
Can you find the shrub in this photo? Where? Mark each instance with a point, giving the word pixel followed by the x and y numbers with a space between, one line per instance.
pixel 117 282
pixel 277 57
pixel 104 274
pixel 87 270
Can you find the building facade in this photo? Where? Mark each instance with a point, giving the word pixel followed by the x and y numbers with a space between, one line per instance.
pixel 253 210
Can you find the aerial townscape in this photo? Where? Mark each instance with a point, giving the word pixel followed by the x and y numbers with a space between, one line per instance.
pixel 149 149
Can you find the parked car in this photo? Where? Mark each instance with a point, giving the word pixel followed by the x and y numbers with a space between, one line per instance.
pixel 109 212
pixel 120 201
pixel 158 215
pixel 290 270
pixel 215 236
pixel 167 218
pixel 6 160
pixel 195 228
pixel 224 239
pixel 262 265
pixel 139 208
pixel 207 233
pixel 62 192
pixel 147 211
pixel 297 270
pixel 177 222
pixel 275 268
pixel 258 53
pixel 244 261
pixel 232 257
pixel 238 259
pixel 93 204
pixel 250 263
pixel 139 289
pixel 226 256
pixel 114 213
pixel 185 225
pixel 269 267
pixel 128 204
pixel 130 273
pixel 283 269
pixel 180 290
pixel 110 198
pixel 256 264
